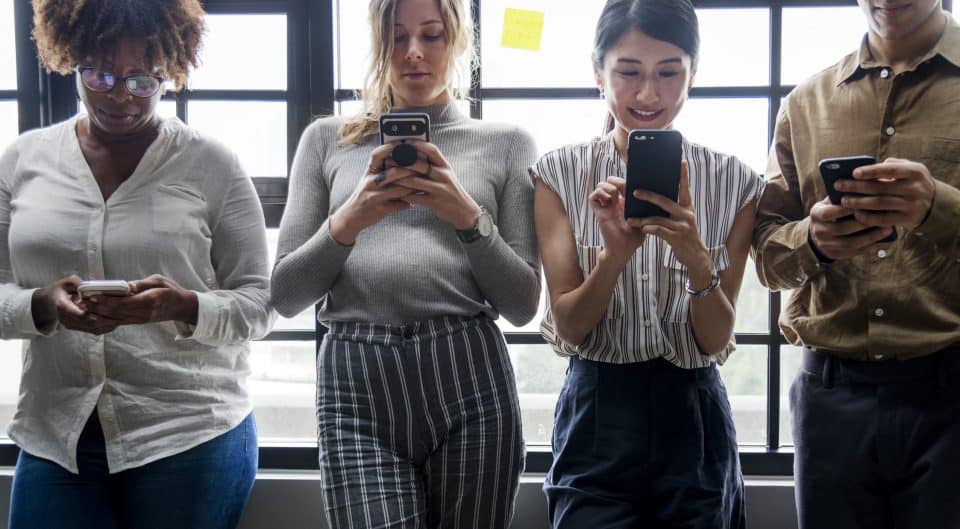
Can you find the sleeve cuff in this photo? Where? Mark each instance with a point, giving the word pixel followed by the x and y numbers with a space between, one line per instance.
pixel 803 263
pixel 941 223
pixel 208 313
pixel 19 308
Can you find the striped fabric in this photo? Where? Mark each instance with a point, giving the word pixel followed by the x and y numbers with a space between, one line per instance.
pixel 419 425
pixel 648 315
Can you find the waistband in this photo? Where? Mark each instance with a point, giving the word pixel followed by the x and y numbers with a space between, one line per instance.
pixel 933 367
pixel 384 332
pixel 636 371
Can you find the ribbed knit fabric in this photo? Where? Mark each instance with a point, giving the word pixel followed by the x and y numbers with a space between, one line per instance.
pixel 411 266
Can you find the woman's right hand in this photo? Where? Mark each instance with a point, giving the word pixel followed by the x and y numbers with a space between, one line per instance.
pixel 60 302
pixel 374 198
pixel 620 240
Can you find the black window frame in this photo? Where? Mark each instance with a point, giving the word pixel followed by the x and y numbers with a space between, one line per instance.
pixel 44 99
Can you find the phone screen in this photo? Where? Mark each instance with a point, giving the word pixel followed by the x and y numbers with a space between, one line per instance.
pixel 653 164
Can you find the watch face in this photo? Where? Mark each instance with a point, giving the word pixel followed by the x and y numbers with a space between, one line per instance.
pixel 485 224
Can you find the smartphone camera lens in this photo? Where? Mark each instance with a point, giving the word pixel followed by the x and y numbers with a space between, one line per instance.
pixel 394 128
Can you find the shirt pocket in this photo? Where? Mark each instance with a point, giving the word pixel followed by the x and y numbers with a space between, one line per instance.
pixel 177 208
pixel 672 296
pixel 588 261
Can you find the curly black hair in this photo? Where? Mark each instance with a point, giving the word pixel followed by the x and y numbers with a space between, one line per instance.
pixel 69 31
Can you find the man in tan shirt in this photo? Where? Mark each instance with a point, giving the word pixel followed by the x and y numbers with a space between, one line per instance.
pixel 877 404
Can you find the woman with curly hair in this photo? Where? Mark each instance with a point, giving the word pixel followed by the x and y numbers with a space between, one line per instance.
pixel 133 410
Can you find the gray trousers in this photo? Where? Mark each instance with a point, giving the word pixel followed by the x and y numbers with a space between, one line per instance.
pixel 419 425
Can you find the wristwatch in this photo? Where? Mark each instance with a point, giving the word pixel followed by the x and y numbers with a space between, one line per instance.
pixel 702 293
pixel 482 228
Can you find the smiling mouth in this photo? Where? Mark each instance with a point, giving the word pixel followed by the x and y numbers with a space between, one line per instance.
pixel 645 115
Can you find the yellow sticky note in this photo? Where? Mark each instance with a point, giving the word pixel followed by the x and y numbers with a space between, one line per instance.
pixel 522 29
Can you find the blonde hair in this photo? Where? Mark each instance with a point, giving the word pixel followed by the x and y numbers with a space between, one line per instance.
pixel 377 95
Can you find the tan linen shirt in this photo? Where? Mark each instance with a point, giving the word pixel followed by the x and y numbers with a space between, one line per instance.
pixel 188 212
pixel 900 302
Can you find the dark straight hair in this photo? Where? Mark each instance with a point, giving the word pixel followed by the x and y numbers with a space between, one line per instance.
pixel 673 21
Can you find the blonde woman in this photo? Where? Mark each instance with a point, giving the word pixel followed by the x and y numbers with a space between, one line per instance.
pixel 419 424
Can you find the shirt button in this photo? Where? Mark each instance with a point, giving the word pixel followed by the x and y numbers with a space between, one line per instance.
pixel 646 323
pixel 878 313
pixel 881 254
pixel 644 277
pixel 890 131
pixel 884 73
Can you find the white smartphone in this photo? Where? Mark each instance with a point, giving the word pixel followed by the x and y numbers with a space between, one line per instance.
pixel 109 287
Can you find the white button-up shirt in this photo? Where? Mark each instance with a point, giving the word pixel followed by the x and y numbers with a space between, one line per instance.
pixel 188 212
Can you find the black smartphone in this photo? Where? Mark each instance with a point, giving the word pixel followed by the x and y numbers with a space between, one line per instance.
pixel 833 170
pixel 402 126
pixel 653 164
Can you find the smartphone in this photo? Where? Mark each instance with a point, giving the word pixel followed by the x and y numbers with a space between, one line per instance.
pixel 402 126
pixel 103 288
pixel 653 164
pixel 833 170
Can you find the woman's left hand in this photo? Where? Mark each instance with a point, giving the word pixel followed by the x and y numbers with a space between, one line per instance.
pixel 152 299
pixel 437 187
pixel 680 229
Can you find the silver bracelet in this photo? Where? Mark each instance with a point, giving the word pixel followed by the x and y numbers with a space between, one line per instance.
pixel 714 283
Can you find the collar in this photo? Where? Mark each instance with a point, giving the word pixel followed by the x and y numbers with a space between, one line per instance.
pixel 440 114
pixel 947 47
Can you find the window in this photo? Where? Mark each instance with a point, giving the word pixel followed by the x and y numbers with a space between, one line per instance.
pixel 8 76
pixel 838 30
pixel 270 66
pixel 241 95
pixel 9 119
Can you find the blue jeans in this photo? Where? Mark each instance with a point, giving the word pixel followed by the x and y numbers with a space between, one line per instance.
pixel 204 487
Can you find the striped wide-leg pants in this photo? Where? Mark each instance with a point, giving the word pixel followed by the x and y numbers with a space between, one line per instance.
pixel 419 425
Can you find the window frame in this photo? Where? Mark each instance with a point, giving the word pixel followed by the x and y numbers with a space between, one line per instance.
pixel 44 99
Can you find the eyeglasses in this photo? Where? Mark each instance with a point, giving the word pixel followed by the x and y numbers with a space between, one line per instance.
pixel 139 85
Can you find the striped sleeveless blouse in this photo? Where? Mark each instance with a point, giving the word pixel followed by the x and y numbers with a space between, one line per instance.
pixel 649 312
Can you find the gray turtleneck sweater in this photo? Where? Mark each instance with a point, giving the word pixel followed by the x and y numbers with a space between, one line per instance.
pixel 411 266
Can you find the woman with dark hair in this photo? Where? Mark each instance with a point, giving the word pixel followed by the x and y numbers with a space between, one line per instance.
pixel 133 410
pixel 644 308
pixel 419 423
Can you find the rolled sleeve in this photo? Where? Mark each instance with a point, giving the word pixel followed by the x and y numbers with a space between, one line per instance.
pixel 941 224
pixel 16 316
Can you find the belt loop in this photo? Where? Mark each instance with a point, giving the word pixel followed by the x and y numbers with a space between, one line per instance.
pixel 828 362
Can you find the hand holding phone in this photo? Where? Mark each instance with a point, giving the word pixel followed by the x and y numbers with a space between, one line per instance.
pixel 402 126
pixel 88 289
pixel 833 170
pixel 653 164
